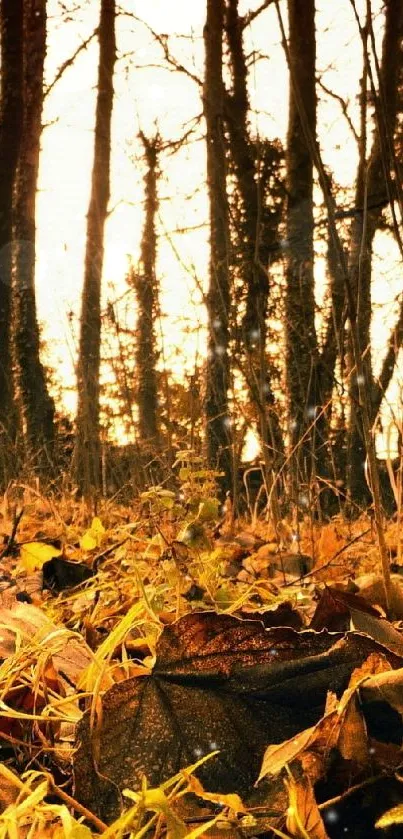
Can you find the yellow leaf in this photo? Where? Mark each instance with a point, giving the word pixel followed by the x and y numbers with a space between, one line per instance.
pixel 78 831
pixel 230 800
pixel 35 554
pixel 393 816
pixel 208 509
pixel 97 526
pixel 156 801
pixel 88 542
pixel 93 537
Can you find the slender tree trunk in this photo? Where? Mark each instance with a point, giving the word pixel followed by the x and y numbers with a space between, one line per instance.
pixel 330 456
pixel 372 194
pixel 258 233
pixel 218 433
pixel 88 441
pixel 147 298
pixel 301 340
pixel 37 408
pixel 11 116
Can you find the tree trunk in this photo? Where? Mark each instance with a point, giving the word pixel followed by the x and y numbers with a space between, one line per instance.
pixel 330 442
pixel 87 457
pixel 37 408
pixel 372 193
pixel 11 116
pixel 218 432
pixel 301 341
pixel 258 233
pixel 147 299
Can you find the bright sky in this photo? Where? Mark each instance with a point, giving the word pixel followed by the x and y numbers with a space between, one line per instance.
pixel 148 97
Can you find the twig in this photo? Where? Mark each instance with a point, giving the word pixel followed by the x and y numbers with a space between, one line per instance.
pixel 69 62
pixel 332 802
pixel 107 551
pixel 162 39
pixel 75 805
pixel 343 105
pixel 332 558
pixel 11 539
pixel 252 15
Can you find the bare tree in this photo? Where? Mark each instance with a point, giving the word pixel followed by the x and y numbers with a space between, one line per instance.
pixel 373 191
pixel 352 320
pixel 301 339
pixel 147 299
pixel 37 407
pixel 218 432
pixel 256 233
pixel 11 115
pixel 310 367
pixel 87 456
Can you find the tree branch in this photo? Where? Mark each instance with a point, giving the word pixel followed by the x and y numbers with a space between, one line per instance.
pixel 343 105
pixel 252 15
pixel 162 40
pixel 69 62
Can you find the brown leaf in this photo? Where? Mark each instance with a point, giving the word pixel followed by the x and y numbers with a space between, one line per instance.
pixel 276 757
pixel 218 683
pixel 385 687
pixel 333 611
pixel 303 817
pixel 352 740
pixel 371 588
pixel 379 629
pixel 283 614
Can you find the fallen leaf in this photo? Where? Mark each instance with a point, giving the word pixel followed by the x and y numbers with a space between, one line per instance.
pixel 60 573
pixel 24 624
pixel 218 684
pixel 303 816
pixel 34 554
pixel 232 801
pixel 92 538
pixel 393 816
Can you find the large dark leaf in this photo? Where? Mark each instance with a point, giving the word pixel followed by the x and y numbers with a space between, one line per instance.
pixel 218 683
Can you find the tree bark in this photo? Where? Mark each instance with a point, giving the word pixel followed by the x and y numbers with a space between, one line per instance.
pixel 372 194
pixel 11 117
pixel 37 407
pixel 87 456
pixel 258 234
pixel 331 452
pixel 301 340
pixel 218 432
pixel 147 299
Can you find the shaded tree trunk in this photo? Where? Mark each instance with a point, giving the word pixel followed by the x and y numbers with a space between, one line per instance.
pixel 11 117
pixel 147 298
pixel 258 235
pixel 332 453
pixel 218 433
pixel 301 340
pixel 372 194
pixel 330 442
pixel 37 408
pixel 87 456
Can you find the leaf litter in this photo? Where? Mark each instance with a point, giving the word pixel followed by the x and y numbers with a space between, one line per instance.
pixel 162 677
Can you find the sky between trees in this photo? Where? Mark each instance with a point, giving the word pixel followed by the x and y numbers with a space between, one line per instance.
pixel 150 95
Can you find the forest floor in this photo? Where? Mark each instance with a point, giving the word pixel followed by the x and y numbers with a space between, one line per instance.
pixel 164 673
